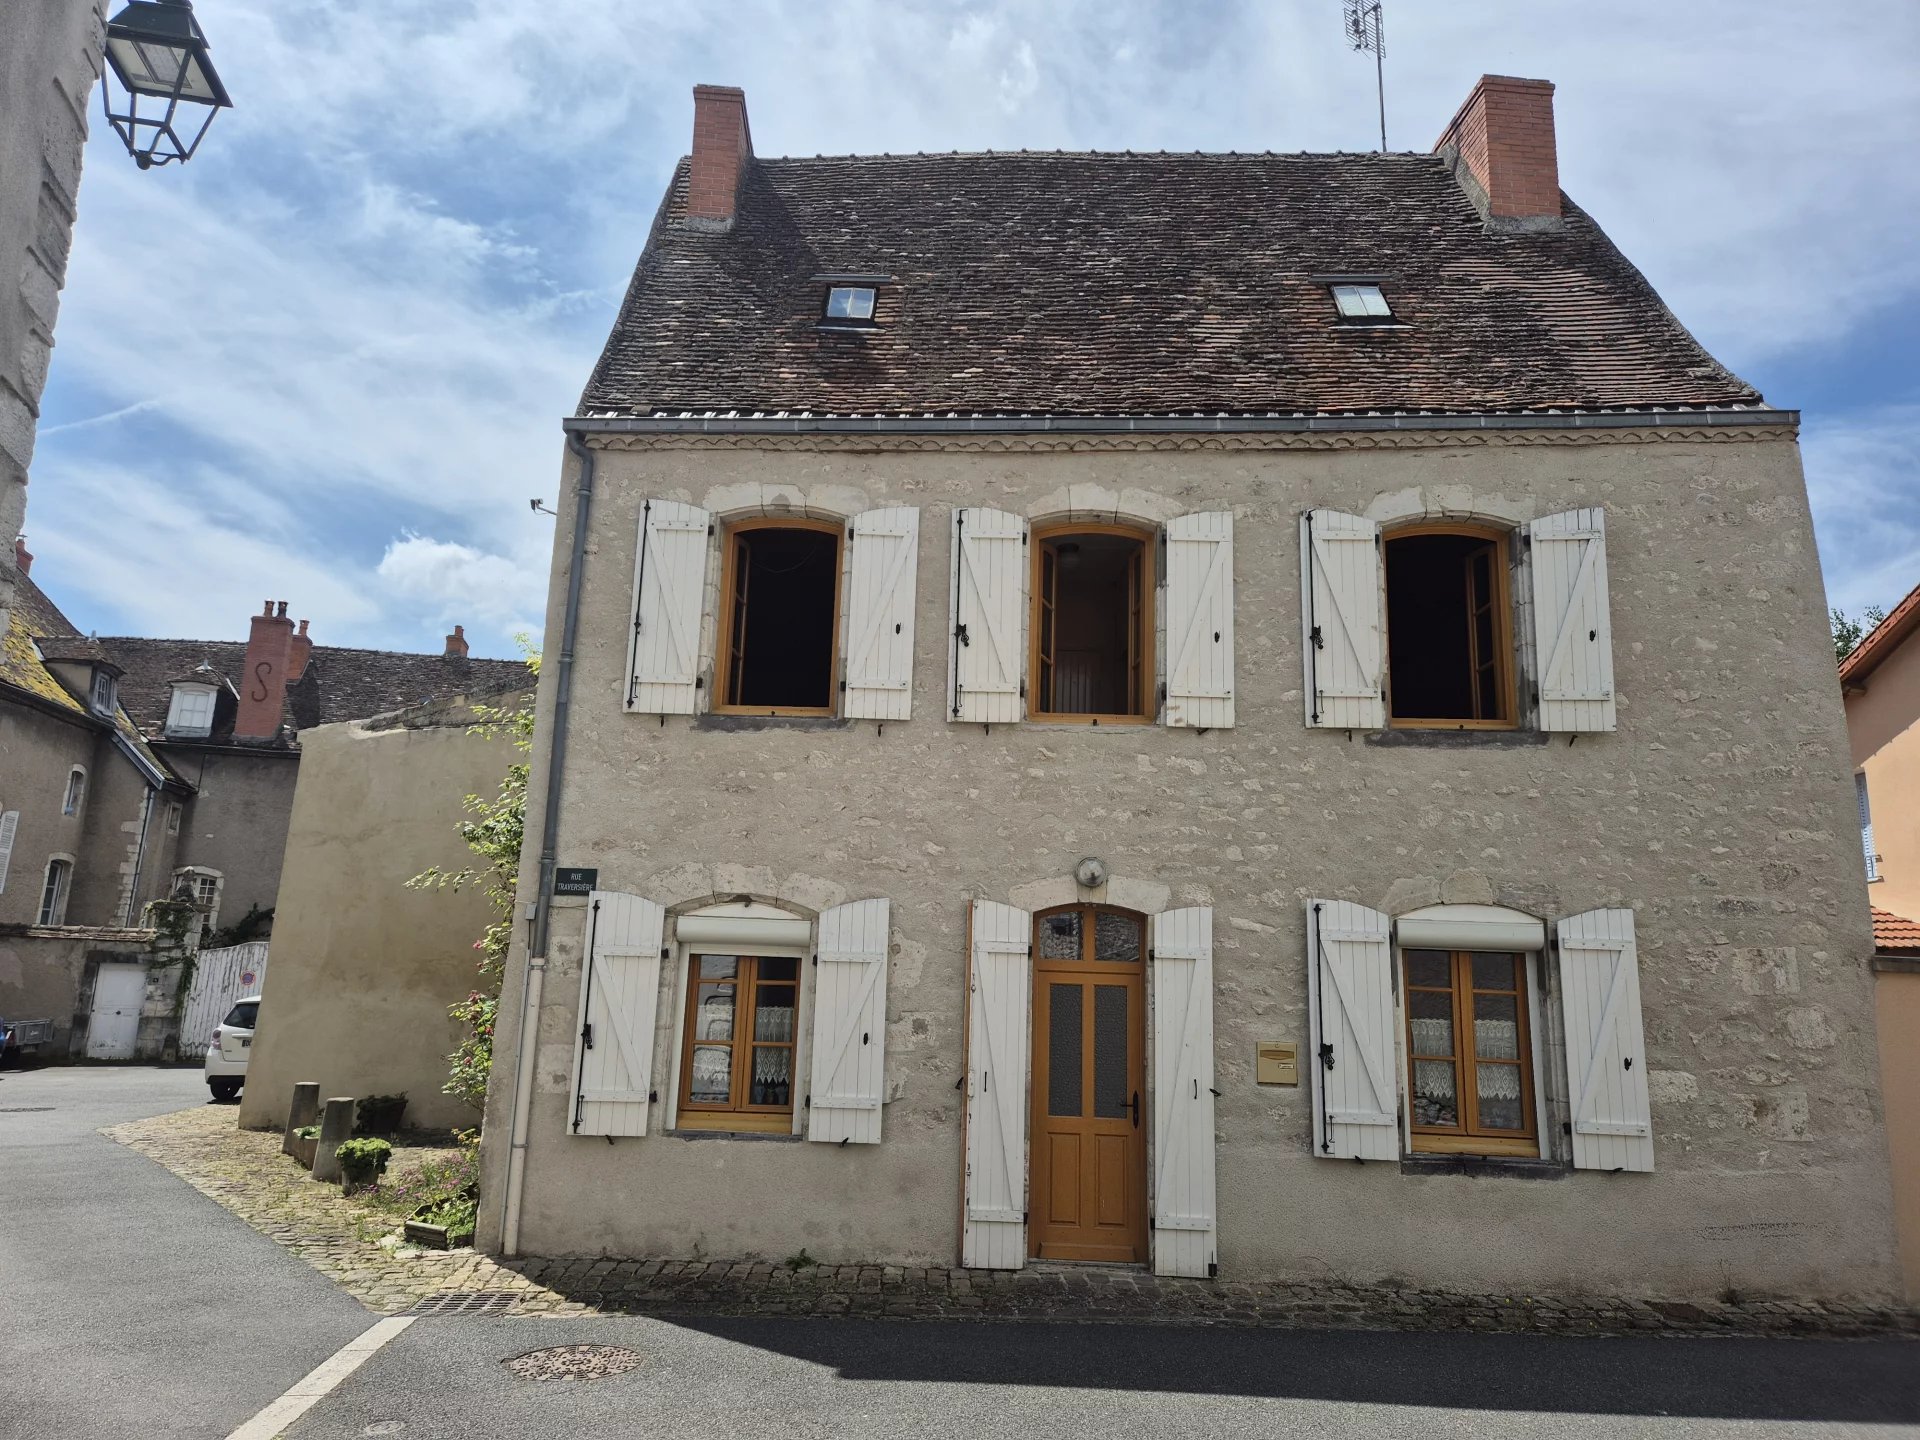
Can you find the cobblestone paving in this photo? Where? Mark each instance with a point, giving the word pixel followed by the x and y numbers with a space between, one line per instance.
pixel 245 1171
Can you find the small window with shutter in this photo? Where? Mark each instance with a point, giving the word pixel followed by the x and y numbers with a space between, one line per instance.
pixel 1449 636
pixel 1091 629
pixel 779 608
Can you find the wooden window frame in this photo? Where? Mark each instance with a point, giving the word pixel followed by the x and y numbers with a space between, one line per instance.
pixel 65 868
pixel 725 659
pixel 1468 1137
pixel 1505 655
pixel 1139 641
pixel 743 1117
pixel 73 800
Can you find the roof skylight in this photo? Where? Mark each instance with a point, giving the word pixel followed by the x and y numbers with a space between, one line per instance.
pixel 1361 302
pixel 850 304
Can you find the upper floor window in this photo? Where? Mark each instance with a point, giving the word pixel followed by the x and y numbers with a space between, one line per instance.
pixel 191 711
pixel 53 895
pixel 779 620
pixel 849 305
pixel 173 817
pixel 1092 623
pixel 1449 642
pixel 76 795
pixel 1866 824
pixel 105 697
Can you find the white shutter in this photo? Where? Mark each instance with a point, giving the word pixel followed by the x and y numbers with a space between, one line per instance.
pixel 999 995
pixel 619 996
pixel 1350 1021
pixel 1606 1048
pixel 9 822
pixel 880 594
pixel 1859 794
pixel 1200 620
pixel 849 1024
pixel 1572 624
pixel 669 584
pixel 1184 1214
pixel 986 648
pixel 1340 626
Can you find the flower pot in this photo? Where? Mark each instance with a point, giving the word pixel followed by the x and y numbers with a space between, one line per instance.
pixel 432 1237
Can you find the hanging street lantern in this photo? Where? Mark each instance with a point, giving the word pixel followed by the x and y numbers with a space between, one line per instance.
pixel 156 50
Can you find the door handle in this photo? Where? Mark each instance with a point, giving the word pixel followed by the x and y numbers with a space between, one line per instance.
pixel 1135 1106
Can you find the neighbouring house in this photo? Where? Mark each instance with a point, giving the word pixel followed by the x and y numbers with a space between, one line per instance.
pixel 1265 715
pixel 1880 682
pixel 134 771
pixel 53 56
pixel 363 967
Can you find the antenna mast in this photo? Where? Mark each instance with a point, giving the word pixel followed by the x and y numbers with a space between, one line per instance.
pixel 1365 33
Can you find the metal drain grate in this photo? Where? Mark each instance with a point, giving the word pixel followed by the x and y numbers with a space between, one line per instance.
pixel 467 1302
pixel 573 1362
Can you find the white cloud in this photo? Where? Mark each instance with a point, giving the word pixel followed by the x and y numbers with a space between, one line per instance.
pixel 1866 504
pixel 448 583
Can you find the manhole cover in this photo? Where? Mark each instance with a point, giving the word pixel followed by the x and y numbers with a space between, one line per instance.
pixel 467 1302
pixel 574 1362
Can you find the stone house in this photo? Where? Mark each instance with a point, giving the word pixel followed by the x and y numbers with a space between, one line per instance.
pixel 136 770
pixel 1259 715
pixel 1880 684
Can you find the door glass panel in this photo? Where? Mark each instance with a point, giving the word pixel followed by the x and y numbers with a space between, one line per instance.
pixel 1434 1099
pixel 772 1076
pixel 1063 1050
pixel 1111 1033
pixel 1496 1027
pixel 1430 967
pixel 1499 1093
pixel 710 1080
pixel 1430 1021
pixel 1060 936
pixel 1116 937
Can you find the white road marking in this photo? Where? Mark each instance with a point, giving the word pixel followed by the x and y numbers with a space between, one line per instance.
pixel 305 1394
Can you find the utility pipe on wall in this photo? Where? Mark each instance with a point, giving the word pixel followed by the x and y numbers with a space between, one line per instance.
pixel 519 1116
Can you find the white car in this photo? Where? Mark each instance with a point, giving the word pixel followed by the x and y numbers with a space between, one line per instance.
pixel 232 1043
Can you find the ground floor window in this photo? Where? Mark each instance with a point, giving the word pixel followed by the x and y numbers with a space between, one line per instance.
pixel 739 1043
pixel 1470 1052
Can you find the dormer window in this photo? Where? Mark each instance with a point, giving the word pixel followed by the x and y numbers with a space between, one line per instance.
pixel 106 693
pixel 849 305
pixel 190 713
pixel 1361 302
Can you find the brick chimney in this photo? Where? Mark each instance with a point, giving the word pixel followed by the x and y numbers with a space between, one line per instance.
pixel 263 681
pixel 722 147
pixel 1502 149
pixel 299 648
pixel 22 557
pixel 457 643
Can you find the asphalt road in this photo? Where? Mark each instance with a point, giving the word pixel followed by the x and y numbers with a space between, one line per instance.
pixel 852 1379
pixel 130 1304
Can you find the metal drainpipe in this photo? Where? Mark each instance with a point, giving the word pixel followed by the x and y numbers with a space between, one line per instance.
pixel 533 986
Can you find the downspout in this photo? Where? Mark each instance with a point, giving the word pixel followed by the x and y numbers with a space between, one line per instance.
pixel 534 982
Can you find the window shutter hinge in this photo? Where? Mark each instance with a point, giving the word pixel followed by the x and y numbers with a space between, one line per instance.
pixel 807 1104
pixel 653 1097
pixel 960 631
pixel 816 962
pixel 1150 1224
pixel 699 682
pixel 586 1035
pixel 1023 689
pixel 709 529
pixel 663 952
pixel 1319 640
pixel 843 687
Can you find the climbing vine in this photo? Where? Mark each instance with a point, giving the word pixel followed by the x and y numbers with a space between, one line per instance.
pixel 493 832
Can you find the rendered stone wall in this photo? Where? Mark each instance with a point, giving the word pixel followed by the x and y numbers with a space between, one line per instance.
pixel 1721 811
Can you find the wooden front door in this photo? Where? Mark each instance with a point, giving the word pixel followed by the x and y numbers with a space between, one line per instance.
pixel 1089 1148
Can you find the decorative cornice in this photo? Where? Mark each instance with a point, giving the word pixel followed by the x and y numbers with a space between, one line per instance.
pixel 1068 443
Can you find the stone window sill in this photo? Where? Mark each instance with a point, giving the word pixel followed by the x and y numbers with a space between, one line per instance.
pixel 1431 739
pixel 1484 1167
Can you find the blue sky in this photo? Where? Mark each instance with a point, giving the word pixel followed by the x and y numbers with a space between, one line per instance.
pixel 326 361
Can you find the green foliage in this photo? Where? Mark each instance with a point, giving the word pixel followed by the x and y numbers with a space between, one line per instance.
pixel 363 1160
pixel 247 927
pixel 308 1132
pixel 801 1261
pixel 1849 632
pixel 379 1114
pixel 456 1212
pixel 494 832
pixel 432 1181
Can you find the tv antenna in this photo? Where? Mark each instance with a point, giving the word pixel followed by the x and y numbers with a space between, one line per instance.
pixel 1364 33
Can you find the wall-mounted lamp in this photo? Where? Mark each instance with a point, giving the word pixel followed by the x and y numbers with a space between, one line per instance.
pixel 1090 873
pixel 157 51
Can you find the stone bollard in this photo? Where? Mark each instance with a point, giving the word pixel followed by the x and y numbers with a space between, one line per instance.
pixel 335 1126
pixel 306 1108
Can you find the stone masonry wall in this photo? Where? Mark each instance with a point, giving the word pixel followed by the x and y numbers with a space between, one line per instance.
pixel 1721 811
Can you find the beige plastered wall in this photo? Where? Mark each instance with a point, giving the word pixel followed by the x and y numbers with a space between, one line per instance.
pixel 362 969
pixel 1883 726
pixel 1897 990
pixel 1721 812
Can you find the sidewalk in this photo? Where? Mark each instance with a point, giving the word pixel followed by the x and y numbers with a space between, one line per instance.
pixel 244 1171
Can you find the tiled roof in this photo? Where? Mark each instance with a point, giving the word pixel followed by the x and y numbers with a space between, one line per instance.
pixel 1882 640
pixel 1104 284
pixel 1894 932
pixel 338 684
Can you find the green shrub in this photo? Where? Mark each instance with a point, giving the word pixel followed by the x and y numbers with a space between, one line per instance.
pixel 308 1132
pixel 455 1212
pixel 362 1161
pixel 379 1114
